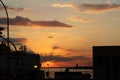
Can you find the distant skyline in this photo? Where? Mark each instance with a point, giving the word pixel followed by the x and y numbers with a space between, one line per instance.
pixel 63 32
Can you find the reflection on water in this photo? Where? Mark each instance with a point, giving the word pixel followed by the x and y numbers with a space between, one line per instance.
pixel 53 70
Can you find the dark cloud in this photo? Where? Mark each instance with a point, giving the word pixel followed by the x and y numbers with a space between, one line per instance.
pixel 50 37
pixel 96 7
pixel 54 23
pixel 89 8
pixel 18 20
pixel 56 47
pixel 70 50
pixel 77 51
pixel 13 8
pixel 18 41
pixel 61 58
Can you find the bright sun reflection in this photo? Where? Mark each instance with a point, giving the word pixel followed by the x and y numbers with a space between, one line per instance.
pixel 49 64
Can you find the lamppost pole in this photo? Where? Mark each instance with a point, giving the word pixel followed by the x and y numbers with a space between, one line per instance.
pixel 8 50
pixel 48 68
pixel 7 22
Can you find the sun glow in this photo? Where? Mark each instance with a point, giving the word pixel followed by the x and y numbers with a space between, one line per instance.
pixel 49 64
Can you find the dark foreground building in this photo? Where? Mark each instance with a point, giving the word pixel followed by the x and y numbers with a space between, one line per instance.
pixel 106 62
pixel 19 65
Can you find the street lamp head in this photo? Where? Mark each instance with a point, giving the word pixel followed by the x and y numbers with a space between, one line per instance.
pixel 1 28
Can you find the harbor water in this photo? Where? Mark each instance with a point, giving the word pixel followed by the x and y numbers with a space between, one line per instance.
pixel 61 69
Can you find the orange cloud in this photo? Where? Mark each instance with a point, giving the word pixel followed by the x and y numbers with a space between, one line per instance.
pixel 79 19
pixel 13 8
pixel 63 5
pixel 89 8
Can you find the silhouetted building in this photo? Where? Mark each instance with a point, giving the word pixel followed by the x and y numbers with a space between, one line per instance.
pixel 3 48
pixel 106 62
pixel 19 65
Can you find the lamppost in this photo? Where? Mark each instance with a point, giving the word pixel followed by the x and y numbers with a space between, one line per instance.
pixel 8 41
pixel 7 36
pixel 48 63
pixel 7 22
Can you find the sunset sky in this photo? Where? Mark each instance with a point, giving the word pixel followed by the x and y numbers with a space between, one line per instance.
pixel 63 31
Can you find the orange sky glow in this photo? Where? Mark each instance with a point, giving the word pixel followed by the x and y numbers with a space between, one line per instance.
pixel 63 32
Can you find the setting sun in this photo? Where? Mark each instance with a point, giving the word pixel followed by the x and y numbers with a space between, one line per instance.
pixel 49 64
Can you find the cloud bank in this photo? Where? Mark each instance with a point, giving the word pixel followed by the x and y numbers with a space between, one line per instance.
pixel 62 58
pixel 18 41
pixel 18 20
pixel 89 8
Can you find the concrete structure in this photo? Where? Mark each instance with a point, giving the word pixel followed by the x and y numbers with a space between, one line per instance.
pixel 106 62
pixel 19 61
pixel 72 76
